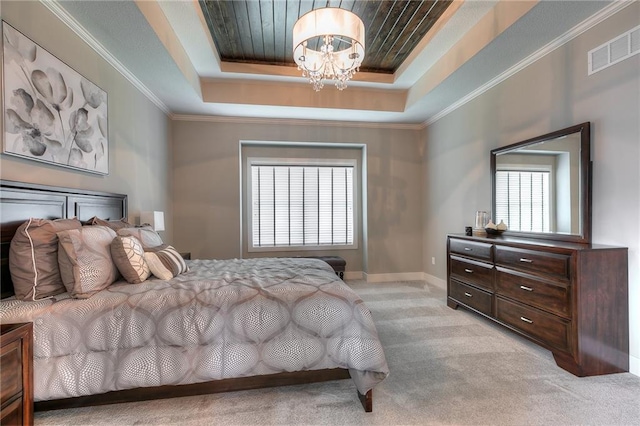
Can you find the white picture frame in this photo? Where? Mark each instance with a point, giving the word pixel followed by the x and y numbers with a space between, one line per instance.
pixel 51 113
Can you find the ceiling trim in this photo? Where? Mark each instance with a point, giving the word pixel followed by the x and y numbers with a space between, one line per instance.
pixel 589 23
pixel 75 26
pixel 297 122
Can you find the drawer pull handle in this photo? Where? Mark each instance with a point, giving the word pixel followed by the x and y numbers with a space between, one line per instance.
pixel 468 294
pixel 467 249
pixel 526 288
pixel 469 271
pixel 527 320
pixel 525 260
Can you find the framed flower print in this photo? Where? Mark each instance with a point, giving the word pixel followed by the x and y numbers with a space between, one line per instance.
pixel 51 113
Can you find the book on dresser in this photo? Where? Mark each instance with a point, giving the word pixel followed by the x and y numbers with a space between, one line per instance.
pixel 571 298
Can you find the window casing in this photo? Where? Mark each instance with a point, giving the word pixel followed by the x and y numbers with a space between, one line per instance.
pixel 301 204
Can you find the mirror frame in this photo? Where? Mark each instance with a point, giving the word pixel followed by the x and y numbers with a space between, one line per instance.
pixel 585 182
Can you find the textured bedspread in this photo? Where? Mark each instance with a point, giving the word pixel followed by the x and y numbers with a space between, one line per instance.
pixel 222 319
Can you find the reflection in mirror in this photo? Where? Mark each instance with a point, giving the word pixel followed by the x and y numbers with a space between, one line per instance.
pixel 538 187
pixel 541 185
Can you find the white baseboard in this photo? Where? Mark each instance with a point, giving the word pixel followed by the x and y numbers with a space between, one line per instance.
pixel 401 276
pixel 398 276
pixel 634 365
pixel 432 279
pixel 353 275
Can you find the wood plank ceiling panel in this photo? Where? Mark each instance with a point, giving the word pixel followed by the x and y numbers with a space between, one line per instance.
pixel 260 31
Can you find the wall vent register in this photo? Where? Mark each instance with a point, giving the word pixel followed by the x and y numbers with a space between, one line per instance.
pixel 618 49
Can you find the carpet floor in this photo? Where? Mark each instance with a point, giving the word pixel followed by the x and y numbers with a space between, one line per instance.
pixel 447 367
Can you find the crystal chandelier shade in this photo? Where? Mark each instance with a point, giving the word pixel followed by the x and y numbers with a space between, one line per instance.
pixel 328 44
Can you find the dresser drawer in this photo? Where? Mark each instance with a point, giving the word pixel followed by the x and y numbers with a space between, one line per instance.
pixel 540 262
pixel 471 296
pixel 555 298
pixel 477 250
pixel 468 271
pixel 548 328
pixel 10 370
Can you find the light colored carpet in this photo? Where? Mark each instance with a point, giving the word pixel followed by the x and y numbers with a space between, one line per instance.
pixel 447 367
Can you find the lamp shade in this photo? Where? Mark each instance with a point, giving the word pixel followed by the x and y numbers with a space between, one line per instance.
pixel 154 219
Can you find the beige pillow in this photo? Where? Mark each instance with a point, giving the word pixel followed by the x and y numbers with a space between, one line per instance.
pixel 128 255
pixel 165 262
pixel 33 258
pixel 113 224
pixel 85 260
pixel 147 236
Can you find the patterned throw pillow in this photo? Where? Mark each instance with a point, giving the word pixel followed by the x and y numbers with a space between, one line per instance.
pixel 165 262
pixel 128 255
pixel 147 236
pixel 33 258
pixel 84 257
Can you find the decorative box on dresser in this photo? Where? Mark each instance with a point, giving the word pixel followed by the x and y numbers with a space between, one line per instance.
pixel 16 383
pixel 570 298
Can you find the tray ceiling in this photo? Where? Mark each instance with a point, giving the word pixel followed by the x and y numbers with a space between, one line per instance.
pixel 164 47
pixel 260 32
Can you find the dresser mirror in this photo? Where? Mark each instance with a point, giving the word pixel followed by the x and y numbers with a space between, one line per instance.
pixel 541 186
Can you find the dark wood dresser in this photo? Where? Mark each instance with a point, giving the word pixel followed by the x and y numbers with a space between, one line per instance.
pixel 569 298
pixel 16 382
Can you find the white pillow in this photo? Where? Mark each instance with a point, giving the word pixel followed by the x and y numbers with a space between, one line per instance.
pixel 147 236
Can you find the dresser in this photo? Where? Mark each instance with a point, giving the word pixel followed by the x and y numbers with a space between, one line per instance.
pixel 16 371
pixel 567 297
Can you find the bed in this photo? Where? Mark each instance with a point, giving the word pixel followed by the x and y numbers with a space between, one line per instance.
pixel 222 325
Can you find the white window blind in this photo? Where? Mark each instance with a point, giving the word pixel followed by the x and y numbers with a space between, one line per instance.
pixel 523 200
pixel 296 205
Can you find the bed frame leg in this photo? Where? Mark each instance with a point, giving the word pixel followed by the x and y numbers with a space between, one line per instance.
pixel 366 400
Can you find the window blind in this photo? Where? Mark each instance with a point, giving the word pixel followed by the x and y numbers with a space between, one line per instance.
pixel 523 200
pixel 302 205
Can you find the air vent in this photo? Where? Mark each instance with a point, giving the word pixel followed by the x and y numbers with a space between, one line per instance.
pixel 614 51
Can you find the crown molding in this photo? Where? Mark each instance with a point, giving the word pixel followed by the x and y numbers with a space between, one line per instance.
pixel 297 122
pixel 579 29
pixel 77 28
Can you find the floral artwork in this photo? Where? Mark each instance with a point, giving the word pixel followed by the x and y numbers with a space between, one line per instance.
pixel 51 113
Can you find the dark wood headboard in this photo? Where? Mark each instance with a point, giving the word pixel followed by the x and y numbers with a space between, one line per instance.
pixel 21 201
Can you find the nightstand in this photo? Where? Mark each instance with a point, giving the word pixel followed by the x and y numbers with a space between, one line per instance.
pixel 186 255
pixel 16 375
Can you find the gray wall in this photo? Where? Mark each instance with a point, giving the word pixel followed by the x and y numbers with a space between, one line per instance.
pixel 553 93
pixel 207 195
pixel 139 144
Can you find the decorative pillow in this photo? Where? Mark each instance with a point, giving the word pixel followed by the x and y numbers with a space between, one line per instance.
pixel 85 260
pixel 128 255
pixel 33 258
pixel 165 262
pixel 113 224
pixel 147 236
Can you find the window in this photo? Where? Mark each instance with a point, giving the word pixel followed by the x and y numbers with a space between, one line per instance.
pixel 301 204
pixel 523 199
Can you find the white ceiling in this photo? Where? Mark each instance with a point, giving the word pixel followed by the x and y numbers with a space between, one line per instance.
pixel 164 48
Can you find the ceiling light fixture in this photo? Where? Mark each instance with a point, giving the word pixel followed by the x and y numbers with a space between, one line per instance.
pixel 328 44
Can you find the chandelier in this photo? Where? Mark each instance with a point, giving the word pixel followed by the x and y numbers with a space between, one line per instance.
pixel 328 44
